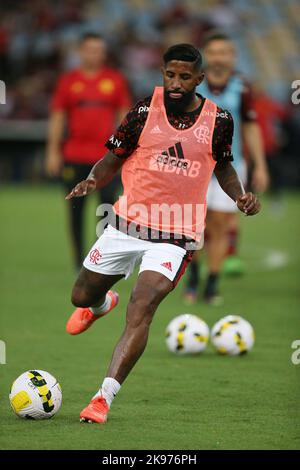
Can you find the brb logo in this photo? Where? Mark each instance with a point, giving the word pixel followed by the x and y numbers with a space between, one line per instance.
pixel 174 161
pixel 2 92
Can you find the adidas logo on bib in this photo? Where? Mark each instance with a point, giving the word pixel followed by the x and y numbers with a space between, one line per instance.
pixel 173 160
pixel 155 130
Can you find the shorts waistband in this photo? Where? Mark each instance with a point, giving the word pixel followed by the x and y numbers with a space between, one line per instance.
pixel 147 233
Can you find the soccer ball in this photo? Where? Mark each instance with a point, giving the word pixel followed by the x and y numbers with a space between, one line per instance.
pixel 187 334
pixel 36 394
pixel 232 335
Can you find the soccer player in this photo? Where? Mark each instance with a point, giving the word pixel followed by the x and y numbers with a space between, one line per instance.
pixel 229 90
pixel 168 146
pixel 90 100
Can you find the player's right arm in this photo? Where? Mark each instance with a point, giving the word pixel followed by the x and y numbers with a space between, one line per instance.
pixel 120 146
pixel 101 174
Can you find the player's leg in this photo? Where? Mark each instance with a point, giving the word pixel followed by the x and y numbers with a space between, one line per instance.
pixel 73 174
pixel 217 228
pixel 90 288
pixel 161 268
pixel 93 298
pixel 111 258
pixel 220 208
pixel 193 281
pixel 151 288
pixel 233 229
pixel 233 265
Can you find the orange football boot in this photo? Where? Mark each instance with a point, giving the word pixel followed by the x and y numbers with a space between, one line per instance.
pixel 82 318
pixel 95 412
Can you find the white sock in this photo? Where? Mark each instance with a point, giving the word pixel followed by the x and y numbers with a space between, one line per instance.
pixel 108 390
pixel 102 308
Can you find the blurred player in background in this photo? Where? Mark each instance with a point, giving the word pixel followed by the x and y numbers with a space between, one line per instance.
pixel 271 117
pixel 89 101
pixel 170 144
pixel 231 92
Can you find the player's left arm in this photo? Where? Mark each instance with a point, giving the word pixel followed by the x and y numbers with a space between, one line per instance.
pixel 224 171
pixel 231 184
pixel 253 139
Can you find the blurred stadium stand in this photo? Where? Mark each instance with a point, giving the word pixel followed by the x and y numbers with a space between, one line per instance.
pixel 38 40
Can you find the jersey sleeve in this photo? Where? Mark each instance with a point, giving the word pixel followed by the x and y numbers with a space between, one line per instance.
pixel 125 140
pixel 222 137
pixel 60 97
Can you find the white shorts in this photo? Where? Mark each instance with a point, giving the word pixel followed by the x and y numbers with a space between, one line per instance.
pixel 118 253
pixel 217 199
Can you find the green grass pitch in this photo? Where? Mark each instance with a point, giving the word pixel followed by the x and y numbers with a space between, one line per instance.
pixel 168 402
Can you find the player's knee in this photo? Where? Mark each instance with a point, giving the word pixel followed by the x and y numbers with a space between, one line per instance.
pixel 142 310
pixel 79 298
pixel 139 317
pixel 142 307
